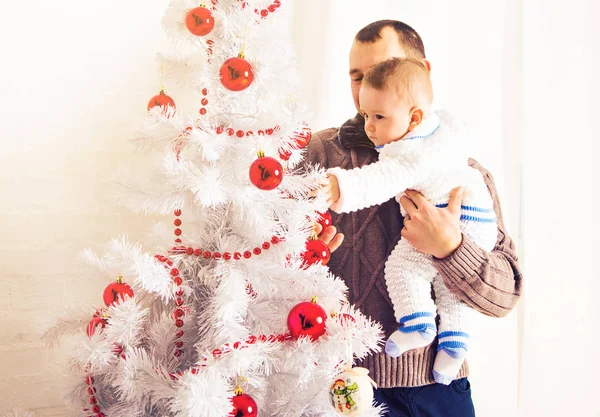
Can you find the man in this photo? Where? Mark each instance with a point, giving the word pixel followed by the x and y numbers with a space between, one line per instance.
pixel 488 282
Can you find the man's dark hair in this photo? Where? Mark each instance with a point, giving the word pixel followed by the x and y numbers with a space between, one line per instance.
pixel 408 37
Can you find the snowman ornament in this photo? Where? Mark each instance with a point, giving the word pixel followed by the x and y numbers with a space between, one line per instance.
pixel 352 392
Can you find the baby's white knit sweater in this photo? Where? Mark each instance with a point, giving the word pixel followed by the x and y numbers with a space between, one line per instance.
pixel 432 159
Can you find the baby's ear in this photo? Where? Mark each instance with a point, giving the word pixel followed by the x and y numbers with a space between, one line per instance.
pixel 416 117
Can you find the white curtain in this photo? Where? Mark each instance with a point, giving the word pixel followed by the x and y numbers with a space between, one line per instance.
pixel 525 75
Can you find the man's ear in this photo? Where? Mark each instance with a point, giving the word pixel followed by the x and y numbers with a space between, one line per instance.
pixel 416 116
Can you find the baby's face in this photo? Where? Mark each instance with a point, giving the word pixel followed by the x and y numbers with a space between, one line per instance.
pixel 387 116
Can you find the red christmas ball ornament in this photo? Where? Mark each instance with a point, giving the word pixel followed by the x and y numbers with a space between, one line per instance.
pixel 307 319
pixel 316 251
pixel 236 74
pixel 345 319
pixel 302 137
pixel 284 155
pixel 243 406
pixel 324 220
pixel 117 349
pixel 93 325
pixel 116 292
pixel 266 173
pixel 162 100
pixel 200 21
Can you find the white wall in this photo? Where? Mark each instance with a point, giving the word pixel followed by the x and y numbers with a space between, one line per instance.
pixel 561 52
pixel 474 50
pixel 75 77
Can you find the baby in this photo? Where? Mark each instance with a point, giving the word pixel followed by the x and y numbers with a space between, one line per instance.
pixel 420 150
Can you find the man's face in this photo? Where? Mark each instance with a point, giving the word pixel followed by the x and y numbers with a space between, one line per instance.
pixel 363 55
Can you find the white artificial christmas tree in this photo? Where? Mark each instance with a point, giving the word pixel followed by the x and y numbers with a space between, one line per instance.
pixel 238 305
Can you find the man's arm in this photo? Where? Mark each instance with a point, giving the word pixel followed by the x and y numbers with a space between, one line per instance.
pixel 488 282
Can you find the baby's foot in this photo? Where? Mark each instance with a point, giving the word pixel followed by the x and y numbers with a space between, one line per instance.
pixel 416 330
pixel 452 349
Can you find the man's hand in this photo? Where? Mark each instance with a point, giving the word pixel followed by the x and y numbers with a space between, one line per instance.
pixel 330 188
pixel 432 230
pixel 330 236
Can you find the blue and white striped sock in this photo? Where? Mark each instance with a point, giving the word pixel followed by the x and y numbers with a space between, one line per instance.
pixel 416 330
pixel 452 349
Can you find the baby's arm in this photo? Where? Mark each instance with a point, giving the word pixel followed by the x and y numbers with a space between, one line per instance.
pixel 370 185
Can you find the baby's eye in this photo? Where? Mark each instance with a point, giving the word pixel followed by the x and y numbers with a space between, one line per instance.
pixel 366 116
pixel 378 116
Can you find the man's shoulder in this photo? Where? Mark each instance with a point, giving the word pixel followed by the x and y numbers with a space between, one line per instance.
pixel 484 172
pixel 324 139
pixel 324 148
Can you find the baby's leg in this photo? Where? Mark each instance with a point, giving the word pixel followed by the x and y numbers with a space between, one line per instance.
pixel 453 337
pixel 408 275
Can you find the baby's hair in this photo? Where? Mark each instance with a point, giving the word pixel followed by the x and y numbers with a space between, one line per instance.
pixel 409 77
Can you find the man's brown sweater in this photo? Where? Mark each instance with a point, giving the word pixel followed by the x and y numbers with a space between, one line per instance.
pixel 488 282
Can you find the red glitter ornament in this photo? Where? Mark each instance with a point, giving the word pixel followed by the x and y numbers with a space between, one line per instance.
pixel 200 21
pixel 307 319
pixel 316 251
pixel 302 137
pixel 236 74
pixel 93 325
pixel 324 220
pixel 162 100
pixel 243 406
pixel 116 291
pixel 266 173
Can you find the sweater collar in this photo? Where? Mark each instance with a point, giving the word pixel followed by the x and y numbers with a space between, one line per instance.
pixel 427 128
pixel 352 134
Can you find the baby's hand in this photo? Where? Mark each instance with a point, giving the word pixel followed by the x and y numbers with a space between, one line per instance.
pixel 330 189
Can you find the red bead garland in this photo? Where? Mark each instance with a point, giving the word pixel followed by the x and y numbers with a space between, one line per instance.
pixel 240 133
pixel 251 340
pixel 179 311
pixel 177 223
pixel 89 381
pixel 217 255
pixel 264 13
pixel 204 101
pixel 209 50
